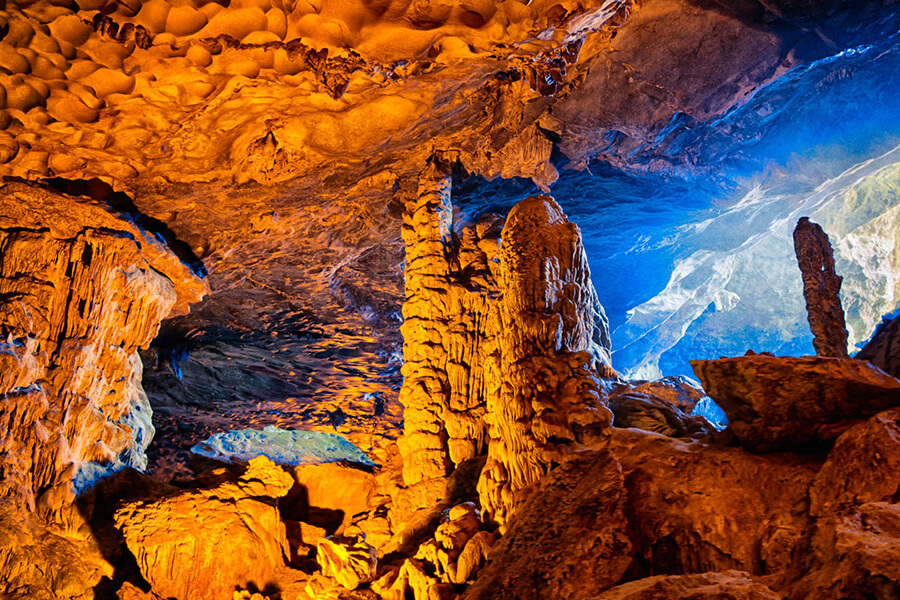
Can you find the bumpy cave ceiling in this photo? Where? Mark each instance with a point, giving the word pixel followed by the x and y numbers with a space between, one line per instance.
pixel 277 140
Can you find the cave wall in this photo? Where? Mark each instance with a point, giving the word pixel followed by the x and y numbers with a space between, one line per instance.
pixel 83 290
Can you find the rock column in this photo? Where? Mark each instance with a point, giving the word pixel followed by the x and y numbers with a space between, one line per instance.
pixel 821 286
pixel 548 398
pixel 448 334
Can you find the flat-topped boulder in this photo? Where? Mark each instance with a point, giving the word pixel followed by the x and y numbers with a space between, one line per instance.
pixel 777 402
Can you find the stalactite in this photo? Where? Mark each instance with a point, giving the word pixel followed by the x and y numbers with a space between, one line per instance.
pixel 821 286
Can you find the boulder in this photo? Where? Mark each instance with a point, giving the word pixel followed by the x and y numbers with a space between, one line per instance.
pixel 784 402
pixel 568 538
pixel 863 466
pixel 40 561
pixel 202 545
pixel 649 413
pixel 881 350
pixel 678 390
pixel 854 556
pixel 331 494
pixel 733 585
pixel 694 507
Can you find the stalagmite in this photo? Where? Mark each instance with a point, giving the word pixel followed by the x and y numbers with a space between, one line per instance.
pixel 448 333
pixel 821 286
pixel 548 399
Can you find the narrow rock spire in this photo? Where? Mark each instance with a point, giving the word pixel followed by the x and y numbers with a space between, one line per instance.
pixel 821 286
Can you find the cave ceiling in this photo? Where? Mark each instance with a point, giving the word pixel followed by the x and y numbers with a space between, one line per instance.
pixel 277 140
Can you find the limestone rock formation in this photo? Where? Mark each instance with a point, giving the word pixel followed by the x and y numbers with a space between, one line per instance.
pixel 734 585
pixel 331 494
pixel 41 561
pixel 451 558
pixel 679 391
pixel 693 507
pixel 821 288
pixel 457 367
pixel 83 289
pixel 862 466
pixel 785 402
pixel 883 350
pixel 653 414
pixel 447 335
pixel 568 538
pixel 348 561
pixel 548 399
pixel 855 499
pixel 204 544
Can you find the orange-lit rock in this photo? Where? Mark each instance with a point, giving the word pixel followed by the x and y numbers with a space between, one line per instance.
pixel 568 537
pixel 854 497
pixel 448 330
pixel 87 288
pixel 649 413
pixel 348 561
pixel 734 585
pixel 784 402
pixel 342 492
pixel 204 544
pixel 693 507
pixel 547 398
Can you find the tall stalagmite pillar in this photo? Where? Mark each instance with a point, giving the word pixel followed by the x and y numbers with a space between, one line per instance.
pixel 448 337
pixel 549 399
pixel 425 392
pixel 821 286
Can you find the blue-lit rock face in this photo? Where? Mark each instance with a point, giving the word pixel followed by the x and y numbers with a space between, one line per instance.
pixel 282 446
pixel 691 247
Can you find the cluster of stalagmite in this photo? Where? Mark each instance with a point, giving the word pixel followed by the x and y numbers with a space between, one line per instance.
pixel 821 286
pixel 82 290
pixel 511 341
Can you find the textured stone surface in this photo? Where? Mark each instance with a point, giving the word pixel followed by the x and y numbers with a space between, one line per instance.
pixel 47 562
pixel 568 539
pixel 693 507
pixel 821 289
pixel 204 544
pixel 548 398
pixel 863 466
pixel 782 402
pixel 733 585
pixel 883 350
pixel 447 331
pixel 83 288
pixel 649 413
pixel 348 561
